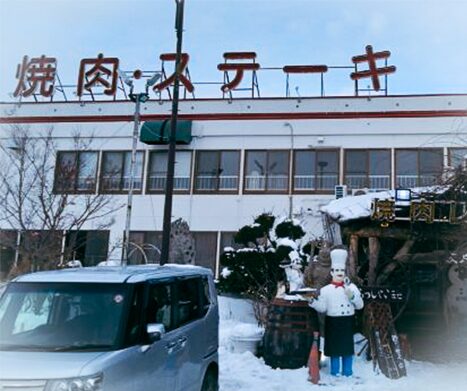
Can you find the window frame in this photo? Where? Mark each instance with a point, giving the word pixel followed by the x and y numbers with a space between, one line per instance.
pixel 367 151
pixel 315 150
pixel 148 172
pixel 219 155
pixel 417 150
pixel 120 191
pixel 266 189
pixel 75 190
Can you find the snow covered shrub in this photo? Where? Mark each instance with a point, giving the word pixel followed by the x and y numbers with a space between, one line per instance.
pixel 254 271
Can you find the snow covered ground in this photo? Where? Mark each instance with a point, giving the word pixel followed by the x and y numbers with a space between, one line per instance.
pixel 245 372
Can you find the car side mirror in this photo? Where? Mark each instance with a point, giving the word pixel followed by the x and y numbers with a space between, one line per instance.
pixel 155 332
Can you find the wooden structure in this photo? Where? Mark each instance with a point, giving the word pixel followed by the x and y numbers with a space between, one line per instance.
pixel 409 250
pixel 289 334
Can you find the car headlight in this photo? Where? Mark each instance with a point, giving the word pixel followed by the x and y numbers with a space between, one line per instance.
pixel 85 383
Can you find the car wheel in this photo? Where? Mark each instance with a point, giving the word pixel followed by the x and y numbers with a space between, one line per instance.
pixel 210 382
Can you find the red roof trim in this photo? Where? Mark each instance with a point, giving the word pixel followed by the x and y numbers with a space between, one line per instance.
pixel 237 117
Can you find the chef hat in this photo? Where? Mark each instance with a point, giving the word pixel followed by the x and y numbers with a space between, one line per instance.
pixel 338 258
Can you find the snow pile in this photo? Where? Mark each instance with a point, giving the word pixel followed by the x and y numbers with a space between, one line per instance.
pixel 245 372
pixel 355 207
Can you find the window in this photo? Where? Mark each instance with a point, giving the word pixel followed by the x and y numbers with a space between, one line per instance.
pixel 316 170
pixel 418 167
pixel 89 247
pixel 76 172
pixel 116 172
pixel 368 169
pixel 267 171
pixel 189 301
pixel 458 157
pixel 160 306
pixel 157 173
pixel 145 247
pixel 217 170
pixel 206 249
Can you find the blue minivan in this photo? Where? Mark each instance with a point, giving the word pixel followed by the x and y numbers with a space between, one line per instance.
pixel 135 328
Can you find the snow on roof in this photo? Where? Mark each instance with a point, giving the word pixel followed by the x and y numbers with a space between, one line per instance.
pixel 357 207
pixel 354 207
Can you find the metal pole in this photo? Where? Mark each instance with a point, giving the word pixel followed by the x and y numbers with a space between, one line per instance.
pixel 126 238
pixel 172 139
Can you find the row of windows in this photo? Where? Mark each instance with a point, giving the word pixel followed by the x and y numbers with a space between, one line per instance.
pixel 270 171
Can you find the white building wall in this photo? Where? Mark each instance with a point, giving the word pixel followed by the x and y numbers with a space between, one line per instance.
pixel 382 122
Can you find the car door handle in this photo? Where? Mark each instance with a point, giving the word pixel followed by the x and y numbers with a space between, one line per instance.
pixel 171 346
pixel 182 341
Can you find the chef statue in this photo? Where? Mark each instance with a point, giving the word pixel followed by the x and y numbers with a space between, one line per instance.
pixel 339 300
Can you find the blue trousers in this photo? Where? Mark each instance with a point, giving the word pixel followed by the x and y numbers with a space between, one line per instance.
pixel 346 365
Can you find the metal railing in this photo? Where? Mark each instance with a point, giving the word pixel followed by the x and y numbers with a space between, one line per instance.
pixel 315 182
pixel 271 182
pixel 372 182
pixel 409 181
pixel 86 183
pixel 213 182
pixel 158 182
pixel 115 183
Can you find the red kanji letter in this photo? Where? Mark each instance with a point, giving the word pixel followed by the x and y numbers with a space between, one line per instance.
pixel 169 80
pixel 373 71
pixel 238 67
pixel 98 74
pixel 37 71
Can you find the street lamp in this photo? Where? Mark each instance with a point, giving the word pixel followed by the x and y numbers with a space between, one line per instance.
pixel 172 139
pixel 137 97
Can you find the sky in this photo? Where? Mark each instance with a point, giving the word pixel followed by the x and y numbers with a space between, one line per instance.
pixel 426 38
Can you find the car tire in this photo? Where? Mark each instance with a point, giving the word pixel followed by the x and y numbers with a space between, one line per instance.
pixel 210 381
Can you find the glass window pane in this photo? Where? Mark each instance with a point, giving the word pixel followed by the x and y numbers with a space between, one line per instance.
pixel 113 163
pixel 160 306
pixel 182 170
pixel 278 170
pixel 356 166
pixel 255 170
pixel 356 162
pixel 208 163
pixel 431 166
pixel 112 169
pixel 431 161
pixel 66 171
pixel 380 170
pixel 327 169
pixel 457 156
pixel 304 170
pixel 228 170
pixel 87 171
pixel 229 162
pixel 207 170
pixel 138 180
pixel 158 163
pixel 406 162
pixel 406 168
pixel 157 171
pixel 188 304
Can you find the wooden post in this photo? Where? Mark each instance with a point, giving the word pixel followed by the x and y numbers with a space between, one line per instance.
pixel 353 256
pixel 374 247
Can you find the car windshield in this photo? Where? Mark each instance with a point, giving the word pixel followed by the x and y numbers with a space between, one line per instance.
pixel 61 317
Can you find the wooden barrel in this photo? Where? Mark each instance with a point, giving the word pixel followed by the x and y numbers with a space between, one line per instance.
pixel 289 334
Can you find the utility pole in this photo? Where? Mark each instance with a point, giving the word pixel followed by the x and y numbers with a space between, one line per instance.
pixel 137 97
pixel 172 139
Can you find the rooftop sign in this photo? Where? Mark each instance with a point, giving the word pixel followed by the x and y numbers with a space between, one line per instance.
pixel 37 77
